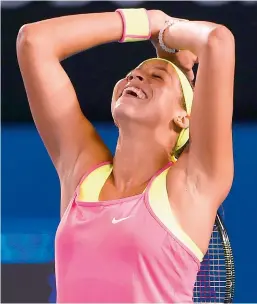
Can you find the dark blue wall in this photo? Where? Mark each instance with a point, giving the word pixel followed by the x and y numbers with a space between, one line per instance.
pixel 112 61
pixel 30 201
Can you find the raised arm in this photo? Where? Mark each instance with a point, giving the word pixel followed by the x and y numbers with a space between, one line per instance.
pixel 210 157
pixel 69 137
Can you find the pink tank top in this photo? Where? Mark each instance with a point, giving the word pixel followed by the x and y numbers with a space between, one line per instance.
pixel 119 251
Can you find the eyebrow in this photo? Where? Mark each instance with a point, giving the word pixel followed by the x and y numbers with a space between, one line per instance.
pixel 153 67
pixel 162 69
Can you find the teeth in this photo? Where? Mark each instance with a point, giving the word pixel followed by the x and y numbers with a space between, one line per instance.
pixel 139 92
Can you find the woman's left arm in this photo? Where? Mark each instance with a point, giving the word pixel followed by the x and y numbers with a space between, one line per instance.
pixel 211 153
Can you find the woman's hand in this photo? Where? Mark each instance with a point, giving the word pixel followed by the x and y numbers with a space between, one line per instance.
pixel 157 20
pixel 184 59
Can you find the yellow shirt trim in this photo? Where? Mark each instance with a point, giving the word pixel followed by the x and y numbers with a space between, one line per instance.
pixel 92 185
pixel 159 202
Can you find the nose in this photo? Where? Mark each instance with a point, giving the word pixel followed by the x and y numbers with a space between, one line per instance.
pixel 136 74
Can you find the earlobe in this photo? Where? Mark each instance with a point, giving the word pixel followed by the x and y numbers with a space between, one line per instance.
pixel 182 122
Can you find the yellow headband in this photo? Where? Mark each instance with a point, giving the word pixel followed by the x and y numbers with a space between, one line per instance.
pixel 188 97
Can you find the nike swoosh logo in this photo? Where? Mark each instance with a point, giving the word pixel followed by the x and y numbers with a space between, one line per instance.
pixel 114 221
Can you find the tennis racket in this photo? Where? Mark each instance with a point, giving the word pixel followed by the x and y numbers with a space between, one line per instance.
pixel 216 279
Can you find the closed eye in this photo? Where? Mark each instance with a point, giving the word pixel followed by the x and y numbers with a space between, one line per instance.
pixel 156 76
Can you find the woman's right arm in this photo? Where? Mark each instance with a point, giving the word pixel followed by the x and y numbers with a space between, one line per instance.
pixel 69 137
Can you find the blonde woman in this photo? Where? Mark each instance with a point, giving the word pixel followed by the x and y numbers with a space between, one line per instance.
pixel 135 226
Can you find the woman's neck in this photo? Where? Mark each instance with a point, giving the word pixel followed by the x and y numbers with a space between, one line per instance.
pixel 137 158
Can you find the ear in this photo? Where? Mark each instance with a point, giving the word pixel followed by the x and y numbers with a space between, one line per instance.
pixel 182 120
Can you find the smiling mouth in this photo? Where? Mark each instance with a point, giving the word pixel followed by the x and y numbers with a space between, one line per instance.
pixel 134 92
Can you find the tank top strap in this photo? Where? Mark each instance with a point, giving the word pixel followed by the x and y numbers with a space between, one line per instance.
pixel 91 183
pixel 159 172
pixel 93 179
pixel 158 204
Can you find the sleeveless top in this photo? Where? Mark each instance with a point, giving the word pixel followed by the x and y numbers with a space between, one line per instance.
pixel 125 250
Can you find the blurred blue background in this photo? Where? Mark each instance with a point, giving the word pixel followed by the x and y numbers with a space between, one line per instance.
pixel 30 186
pixel 30 201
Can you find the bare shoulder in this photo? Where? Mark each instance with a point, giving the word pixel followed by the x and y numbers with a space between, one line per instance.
pixel 85 163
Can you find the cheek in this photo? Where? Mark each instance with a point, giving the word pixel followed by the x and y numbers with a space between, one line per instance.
pixel 164 99
pixel 118 88
pixel 165 104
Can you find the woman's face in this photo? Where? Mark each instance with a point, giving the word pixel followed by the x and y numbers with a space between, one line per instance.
pixel 150 95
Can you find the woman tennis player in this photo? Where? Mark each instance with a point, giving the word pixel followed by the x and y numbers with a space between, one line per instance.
pixel 135 226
